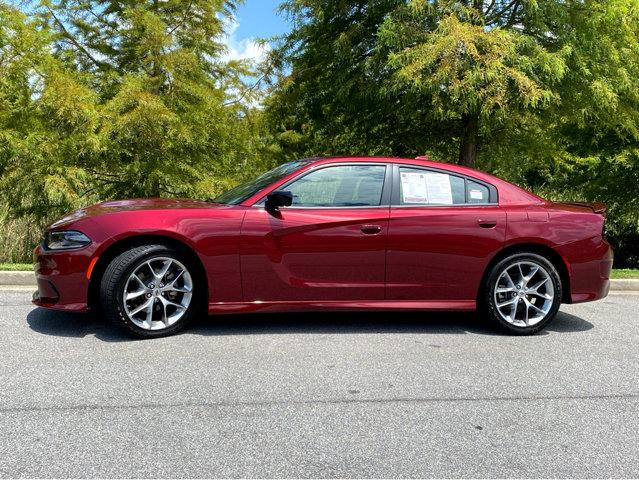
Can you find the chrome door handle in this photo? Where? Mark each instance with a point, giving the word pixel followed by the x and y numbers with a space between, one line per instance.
pixel 371 229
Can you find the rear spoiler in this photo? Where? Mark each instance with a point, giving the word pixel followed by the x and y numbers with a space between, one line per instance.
pixel 597 207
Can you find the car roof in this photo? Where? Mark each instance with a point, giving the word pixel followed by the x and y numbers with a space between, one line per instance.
pixel 422 160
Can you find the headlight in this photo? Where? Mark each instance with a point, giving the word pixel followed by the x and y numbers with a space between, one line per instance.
pixel 66 240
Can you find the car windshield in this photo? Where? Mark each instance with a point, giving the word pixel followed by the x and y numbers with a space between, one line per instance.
pixel 242 192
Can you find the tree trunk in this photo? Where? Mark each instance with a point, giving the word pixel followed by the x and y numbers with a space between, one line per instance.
pixel 469 139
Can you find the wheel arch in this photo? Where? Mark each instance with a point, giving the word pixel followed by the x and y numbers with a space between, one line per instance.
pixel 537 248
pixel 126 243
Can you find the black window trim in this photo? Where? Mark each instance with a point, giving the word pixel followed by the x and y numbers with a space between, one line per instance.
pixel 396 200
pixel 386 187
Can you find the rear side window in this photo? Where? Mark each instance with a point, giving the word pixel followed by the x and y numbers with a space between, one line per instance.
pixel 477 193
pixel 424 187
pixel 339 186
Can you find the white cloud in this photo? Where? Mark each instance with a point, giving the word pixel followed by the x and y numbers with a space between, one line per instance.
pixel 242 48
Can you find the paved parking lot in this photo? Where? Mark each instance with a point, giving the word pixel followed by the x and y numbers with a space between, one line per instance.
pixel 321 395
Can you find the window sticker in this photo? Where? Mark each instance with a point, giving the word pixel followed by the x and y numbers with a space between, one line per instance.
pixel 426 188
pixel 439 190
pixel 476 195
pixel 414 188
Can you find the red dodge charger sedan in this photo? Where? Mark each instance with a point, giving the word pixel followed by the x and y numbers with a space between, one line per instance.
pixel 328 234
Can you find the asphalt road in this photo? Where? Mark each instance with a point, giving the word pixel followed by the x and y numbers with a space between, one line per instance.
pixel 321 395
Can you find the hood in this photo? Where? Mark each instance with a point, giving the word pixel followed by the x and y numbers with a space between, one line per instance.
pixel 134 204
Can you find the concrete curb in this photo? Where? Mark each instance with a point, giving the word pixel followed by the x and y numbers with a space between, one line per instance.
pixel 27 279
pixel 624 285
pixel 8 278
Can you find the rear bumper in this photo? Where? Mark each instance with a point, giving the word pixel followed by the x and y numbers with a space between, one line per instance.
pixel 62 280
pixel 598 294
pixel 589 264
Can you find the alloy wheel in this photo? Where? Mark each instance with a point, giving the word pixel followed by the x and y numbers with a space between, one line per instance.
pixel 158 293
pixel 524 293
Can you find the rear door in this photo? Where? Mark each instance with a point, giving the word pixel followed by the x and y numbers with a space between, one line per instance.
pixel 443 229
pixel 329 245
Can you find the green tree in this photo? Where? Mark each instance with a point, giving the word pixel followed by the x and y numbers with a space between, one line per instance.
pixel 167 119
pixel 329 96
pixel 448 77
pixel 107 99
pixel 479 64
pixel 34 127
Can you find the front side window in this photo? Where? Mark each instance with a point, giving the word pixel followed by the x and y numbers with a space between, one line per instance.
pixel 425 187
pixel 339 186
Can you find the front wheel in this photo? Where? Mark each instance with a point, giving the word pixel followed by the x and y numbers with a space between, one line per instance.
pixel 522 293
pixel 149 291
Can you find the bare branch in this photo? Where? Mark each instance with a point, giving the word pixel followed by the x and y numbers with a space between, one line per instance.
pixel 246 91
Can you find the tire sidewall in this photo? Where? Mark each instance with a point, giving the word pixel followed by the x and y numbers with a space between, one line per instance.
pixel 491 284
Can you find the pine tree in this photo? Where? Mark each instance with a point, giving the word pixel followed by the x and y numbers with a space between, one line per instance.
pixel 461 79
pixel 166 118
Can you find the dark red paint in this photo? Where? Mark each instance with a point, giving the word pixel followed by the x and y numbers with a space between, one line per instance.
pixel 413 257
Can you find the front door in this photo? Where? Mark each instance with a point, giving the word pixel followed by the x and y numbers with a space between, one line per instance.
pixel 329 245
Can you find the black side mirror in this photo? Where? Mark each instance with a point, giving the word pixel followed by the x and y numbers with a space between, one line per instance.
pixel 277 199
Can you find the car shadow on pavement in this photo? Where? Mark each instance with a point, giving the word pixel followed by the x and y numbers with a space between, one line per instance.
pixel 65 324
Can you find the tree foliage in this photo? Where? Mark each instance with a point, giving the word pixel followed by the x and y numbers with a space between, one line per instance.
pixel 30 137
pixel 462 72
pixel 482 63
pixel 122 99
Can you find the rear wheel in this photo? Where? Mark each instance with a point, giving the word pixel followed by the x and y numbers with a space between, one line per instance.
pixel 149 291
pixel 522 293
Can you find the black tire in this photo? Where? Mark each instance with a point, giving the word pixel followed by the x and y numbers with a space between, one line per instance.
pixel 113 284
pixel 487 300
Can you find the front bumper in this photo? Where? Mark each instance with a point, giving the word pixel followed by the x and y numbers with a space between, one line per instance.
pixel 62 279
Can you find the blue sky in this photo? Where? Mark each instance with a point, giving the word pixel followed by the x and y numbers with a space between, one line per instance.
pixel 259 18
pixel 255 19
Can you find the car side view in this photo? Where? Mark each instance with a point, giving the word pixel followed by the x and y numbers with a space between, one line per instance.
pixel 330 234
